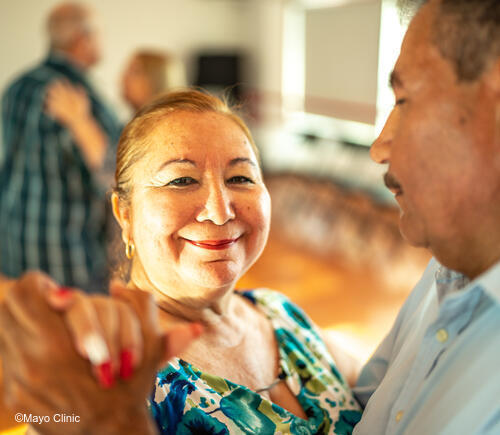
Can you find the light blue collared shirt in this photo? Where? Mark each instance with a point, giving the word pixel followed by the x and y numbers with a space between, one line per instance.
pixel 438 369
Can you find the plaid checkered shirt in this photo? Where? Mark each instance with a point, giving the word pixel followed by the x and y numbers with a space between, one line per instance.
pixel 52 206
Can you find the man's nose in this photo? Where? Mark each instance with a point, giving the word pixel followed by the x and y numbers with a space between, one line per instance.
pixel 218 207
pixel 380 151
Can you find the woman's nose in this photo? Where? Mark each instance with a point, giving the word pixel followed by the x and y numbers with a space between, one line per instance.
pixel 380 151
pixel 218 207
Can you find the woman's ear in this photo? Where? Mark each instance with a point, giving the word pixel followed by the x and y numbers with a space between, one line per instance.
pixel 122 216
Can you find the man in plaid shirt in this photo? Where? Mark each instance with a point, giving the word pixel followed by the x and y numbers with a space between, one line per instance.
pixel 52 198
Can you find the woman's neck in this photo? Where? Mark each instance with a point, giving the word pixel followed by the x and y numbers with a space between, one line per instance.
pixel 192 309
pixel 220 315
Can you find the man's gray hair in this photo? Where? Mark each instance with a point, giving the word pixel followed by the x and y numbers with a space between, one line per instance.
pixel 65 23
pixel 467 33
pixel 408 8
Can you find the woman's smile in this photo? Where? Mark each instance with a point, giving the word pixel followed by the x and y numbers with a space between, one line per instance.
pixel 213 244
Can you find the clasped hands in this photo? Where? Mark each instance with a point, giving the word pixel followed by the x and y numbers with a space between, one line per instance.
pixel 94 356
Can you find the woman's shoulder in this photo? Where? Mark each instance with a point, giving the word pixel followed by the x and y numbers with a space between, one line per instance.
pixel 277 305
pixel 265 297
pixel 262 295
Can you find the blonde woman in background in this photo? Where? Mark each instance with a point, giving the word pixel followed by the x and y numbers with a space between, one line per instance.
pixel 147 74
pixel 150 73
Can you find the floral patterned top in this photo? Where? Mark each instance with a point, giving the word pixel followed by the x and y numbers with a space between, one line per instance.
pixel 187 401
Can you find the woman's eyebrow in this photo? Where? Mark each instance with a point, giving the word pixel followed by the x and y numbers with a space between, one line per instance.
pixel 172 161
pixel 242 160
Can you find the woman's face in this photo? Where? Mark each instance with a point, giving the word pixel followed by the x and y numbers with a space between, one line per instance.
pixel 200 212
pixel 136 87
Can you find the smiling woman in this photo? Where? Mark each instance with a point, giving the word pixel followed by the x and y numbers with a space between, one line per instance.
pixel 198 211
pixel 194 214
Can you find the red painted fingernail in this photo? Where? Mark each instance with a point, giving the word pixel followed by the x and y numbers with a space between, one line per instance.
pixel 105 374
pixel 126 367
pixel 63 292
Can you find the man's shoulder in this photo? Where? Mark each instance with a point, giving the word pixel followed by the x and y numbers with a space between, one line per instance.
pixel 31 80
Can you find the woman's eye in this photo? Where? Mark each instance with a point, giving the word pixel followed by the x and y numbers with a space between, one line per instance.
pixel 240 179
pixel 182 181
pixel 400 101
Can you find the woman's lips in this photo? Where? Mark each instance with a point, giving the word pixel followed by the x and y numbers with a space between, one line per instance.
pixel 215 245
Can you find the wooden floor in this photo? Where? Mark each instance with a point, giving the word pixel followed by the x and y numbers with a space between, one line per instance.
pixel 355 303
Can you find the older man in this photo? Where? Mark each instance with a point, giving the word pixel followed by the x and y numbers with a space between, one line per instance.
pixel 52 205
pixel 438 370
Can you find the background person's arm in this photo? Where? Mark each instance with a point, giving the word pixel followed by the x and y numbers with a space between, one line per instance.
pixel 5 283
pixel 70 106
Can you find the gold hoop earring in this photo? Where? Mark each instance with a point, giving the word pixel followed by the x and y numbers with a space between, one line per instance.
pixel 129 249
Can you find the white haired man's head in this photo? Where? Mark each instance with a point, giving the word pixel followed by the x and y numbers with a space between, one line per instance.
pixel 71 31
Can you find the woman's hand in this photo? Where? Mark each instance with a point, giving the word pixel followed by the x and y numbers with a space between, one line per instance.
pixel 70 105
pixel 66 103
pixel 44 334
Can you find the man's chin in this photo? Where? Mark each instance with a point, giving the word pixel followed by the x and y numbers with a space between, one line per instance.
pixel 412 232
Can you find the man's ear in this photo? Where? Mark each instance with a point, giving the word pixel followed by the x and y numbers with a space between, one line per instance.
pixel 121 213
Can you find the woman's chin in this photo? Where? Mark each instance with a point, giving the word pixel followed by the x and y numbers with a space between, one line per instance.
pixel 215 275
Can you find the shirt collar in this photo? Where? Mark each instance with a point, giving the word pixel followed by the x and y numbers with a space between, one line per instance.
pixel 449 281
pixel 60 61
pixel 490 281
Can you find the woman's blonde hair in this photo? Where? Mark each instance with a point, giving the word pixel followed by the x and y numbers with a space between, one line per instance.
pixel 163 70
pixel 135 138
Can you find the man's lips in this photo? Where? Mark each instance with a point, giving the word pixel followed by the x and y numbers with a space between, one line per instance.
pixel 213 244
pixel 392 184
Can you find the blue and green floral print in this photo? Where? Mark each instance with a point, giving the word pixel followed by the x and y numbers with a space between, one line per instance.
pixel 188 401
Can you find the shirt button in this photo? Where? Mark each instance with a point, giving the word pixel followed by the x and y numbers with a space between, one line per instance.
pixel 442 335
pixel 399 416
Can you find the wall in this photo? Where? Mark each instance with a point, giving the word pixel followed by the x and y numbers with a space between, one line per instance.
pixel 341 45
pixel 342 61
pixel 180 26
